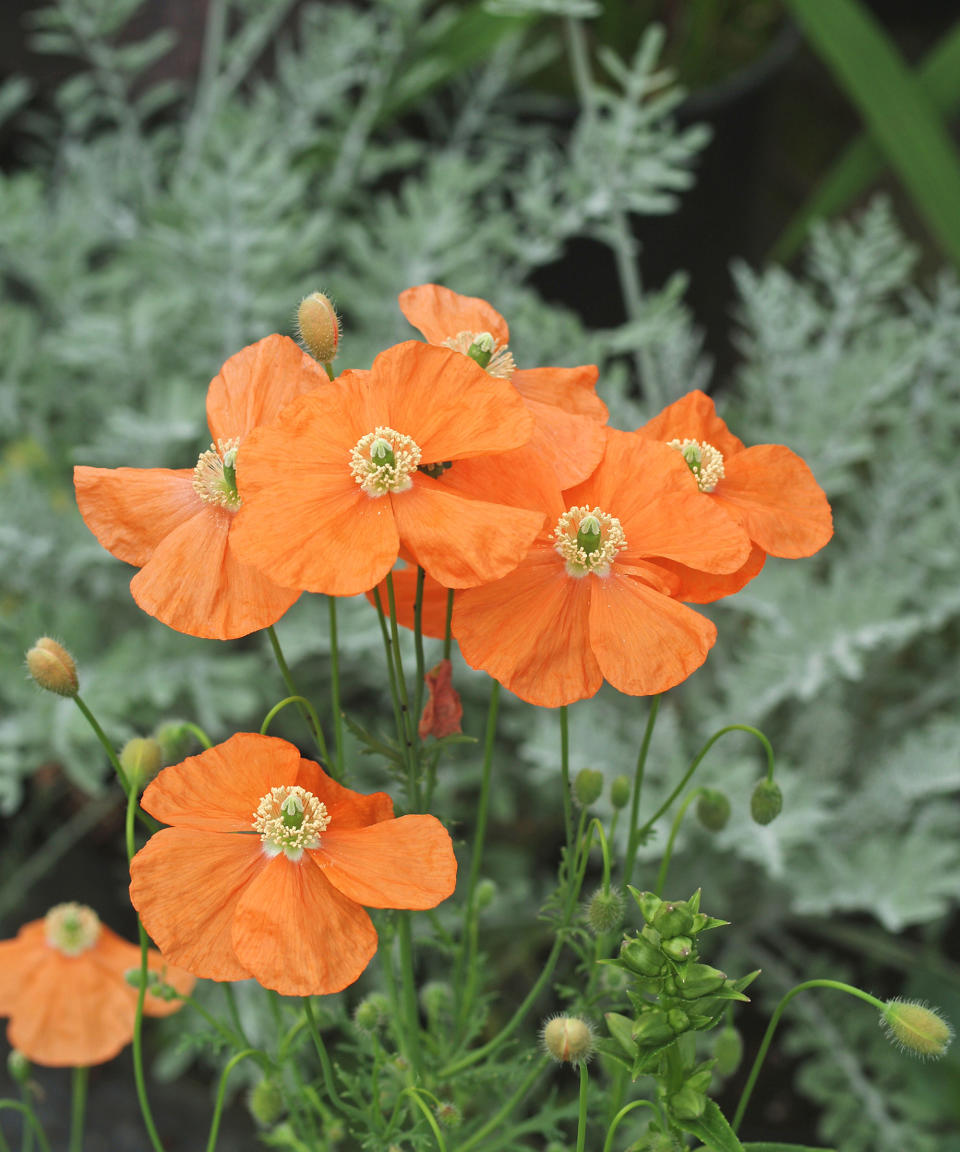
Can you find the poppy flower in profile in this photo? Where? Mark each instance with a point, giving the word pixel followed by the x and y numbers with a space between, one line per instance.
pixel 176 525
pixel 767 489
pixel 591 601
pixel 63 985
pixel 268 862
pixel 350 474
pixel 568 415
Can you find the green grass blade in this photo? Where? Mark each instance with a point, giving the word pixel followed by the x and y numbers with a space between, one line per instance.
pixel 900 112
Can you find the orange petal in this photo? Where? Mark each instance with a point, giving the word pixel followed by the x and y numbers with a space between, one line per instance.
pixel 433 620
pixel 297 934
pixel 195 584
pixel 571 445
pixel 219 789
pixel 692 417
pixel 72 1012
pixel 186 886
pixel 253 385
pixel 704 587
pixel 522 478
pixel 346 808
pixel 645 642
pixel 446 403
pixel 530 631
pixel 462 542
pixel 132 510
pixel 17 957
pixel 117 956
pixel 441 314
pixel 572 389
pixel 774 495
pixel 404 863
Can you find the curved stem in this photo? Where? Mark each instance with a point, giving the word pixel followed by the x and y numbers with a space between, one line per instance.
pixel 221 1093
pixel 582 1113
pixel 107 746
pixel 292 689
pixel 78 1103
pixel 414 1094
pixel 198 732
pixel 325 1065
pixel 28 1114
pixel 772 1027
pixel 624 1111
pixel 303 704
pixel 335 688
pixel 633 840
pixel 675 828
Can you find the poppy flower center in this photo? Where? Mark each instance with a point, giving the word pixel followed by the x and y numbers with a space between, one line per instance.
pixel 290 819
pixel 588 539
pixel 496 360
pixel 71 928
pixel 703 460
pixel 383 460
pixel 215 476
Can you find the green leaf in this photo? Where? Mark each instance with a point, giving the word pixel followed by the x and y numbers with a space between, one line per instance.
pixel 712 1128
pixel 901 118
pixel 765 1146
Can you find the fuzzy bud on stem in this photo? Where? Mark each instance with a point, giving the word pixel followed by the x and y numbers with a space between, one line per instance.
pixel 713 809
pixel 620 792
pixel 766 803
pixel 141 758
pixel 318 327
pixel 588 786
pixel 53 668
pixel 916 1029
pixel 568 1039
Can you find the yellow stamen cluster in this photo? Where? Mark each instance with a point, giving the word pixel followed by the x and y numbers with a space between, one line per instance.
pixel 703 460
pixel 500 363
pixel 71 928
pixel 289 820
pixel 383 461
pixel 588 539
pixel 215 476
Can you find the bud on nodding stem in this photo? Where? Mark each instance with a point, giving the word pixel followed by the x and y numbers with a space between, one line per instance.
pixel 917 1029
pixel 766 803
pixel 318 327
pixel 588 786
pixel 568 1039
pixel 604 911
pixel 141 758
pixel 265 1101
pixel 52 667
pixel 713 809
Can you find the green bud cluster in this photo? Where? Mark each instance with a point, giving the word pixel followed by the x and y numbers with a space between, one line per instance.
pixel 673 995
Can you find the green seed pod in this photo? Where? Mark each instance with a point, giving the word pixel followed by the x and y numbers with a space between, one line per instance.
pixel 588 786
pixel 605 911
pixel 653 1029
pixel 688 1103
pixel 642 957
pixel 713 809
pixel 648 904
pixel 699 980
pixel 620 792
pixel 728 1051
pixel 766 803
pixel 678 948
pixel 673 919
pixel 678 1020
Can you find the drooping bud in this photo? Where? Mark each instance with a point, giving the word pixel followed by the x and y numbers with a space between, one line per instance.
pixel 485 894
pixel 265 1102
pixel 443 710
pixel 568 1039
pixel 713 809
pixel 175 739
pixel 52 667
pixel 448 1114
pixel 436 996
pixel 728 1051
pixel 605 911
pixel 588 786
pixel 916 1029
pixel 620 792
pixel 372 1012
pixel 141 759
pixel 766 803
pixel 318 327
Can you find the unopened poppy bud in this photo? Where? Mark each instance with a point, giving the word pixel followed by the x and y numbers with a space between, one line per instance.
pixel 174 738
pixel 141 759
pixel 482 348
pixel 486 893
pixel 713 809
pixel 766 803
pixel 52 667
pixel 568 1039
pixel 605 911
pixel 318 327
pixel 18 1066
pixel 371 1013
pixel 728 1051
pixel 448 1114
pixel 436 996
pixel 620 792
pixel 588 786
pixel 265 1102
pixel 917 1029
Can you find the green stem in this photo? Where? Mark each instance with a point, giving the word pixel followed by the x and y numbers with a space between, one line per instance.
pixel 292 689
pixel 325 1065
pixel 407 731
pixel 107 746
pixel 234 1039
pixel 335 687
pixel 409 990
pixel 582 1114
pixel 78 1105
pixel 772 1027
pixel 414 1094
pixel 668 851
pixel 624 1111
pixel 633 840
pixel 198 732
pixel 328 368
pixel 418 643
pixel 495 1121
pixel 28 1114
pixel 304 705
pixel 447 628
pixel 221 1094
pixel 231 999
pixel 565 778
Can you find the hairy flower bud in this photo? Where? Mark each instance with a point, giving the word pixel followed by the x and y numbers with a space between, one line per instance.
pixel 175 739
pixel 620 792
pixel 713 809
pixel 486 893
pixel 141 758
pixel 568 1039
pixel 18 1066
pixel 265 1102
pixel 588 786
pixel 448 1114
pixel 766 803
pixel 604 911
pixel 917 1029
pixel 436 996
pixel 318 327
pixel 371 1013
pixel 52 667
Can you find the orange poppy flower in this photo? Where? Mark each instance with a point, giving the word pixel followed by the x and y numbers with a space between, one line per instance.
pixel 568 415
pixel 62 983
pixel 591 601
pixel 767 489
pixel 267 862
pixel 176 525
pixel 348 474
